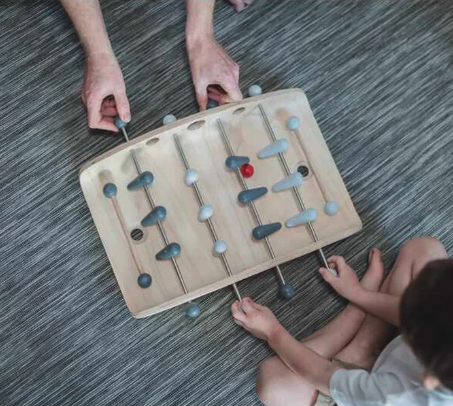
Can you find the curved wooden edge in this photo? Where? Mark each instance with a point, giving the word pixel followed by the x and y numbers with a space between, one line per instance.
pixel 184 121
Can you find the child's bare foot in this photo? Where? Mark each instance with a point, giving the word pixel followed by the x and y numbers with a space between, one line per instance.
pixel 240 5
pixel 374 276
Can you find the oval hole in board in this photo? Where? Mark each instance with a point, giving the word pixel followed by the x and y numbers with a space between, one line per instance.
pixel 137 234
pixel 196 125
pixel 304 169
pixel 152 141
pixel 240 110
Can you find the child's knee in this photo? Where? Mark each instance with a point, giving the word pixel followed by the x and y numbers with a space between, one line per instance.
pixel 428 248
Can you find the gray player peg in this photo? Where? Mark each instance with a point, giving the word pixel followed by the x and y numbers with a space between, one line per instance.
pixel 234 162
pixel 144 179
pixel 156 215
pixel 261 232
pixel 250 195
pixel 170 251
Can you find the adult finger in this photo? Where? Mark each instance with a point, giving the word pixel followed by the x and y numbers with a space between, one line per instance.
pixel 107 111
pixel 202 97
pixel 122 105
pixel 233 93
pixel 107 123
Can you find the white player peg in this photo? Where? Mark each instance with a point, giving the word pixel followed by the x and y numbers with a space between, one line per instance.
pixel 206 211
pixel 293 180
pixel 191 176
pixel 255 90
pixel 168 119
pixel 220 246
pixel 277 147
pixel 307 216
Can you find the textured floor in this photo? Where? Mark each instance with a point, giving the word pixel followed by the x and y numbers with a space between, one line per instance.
pixel 379 77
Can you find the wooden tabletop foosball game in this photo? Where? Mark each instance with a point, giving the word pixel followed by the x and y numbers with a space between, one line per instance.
pixel 207 201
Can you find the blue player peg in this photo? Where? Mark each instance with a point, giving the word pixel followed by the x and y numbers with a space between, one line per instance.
pixel 293 180
pixel 331 208
pixel 307 216
pixel 144 179
pixel 234 162
pixel 287 291
pixel 250 195
pixel 144 280
pixel 110 190
pixel 192 310
pixel 261 232
pixel 277 147
pixel 293 123
pixel 119 123
pixel 170 251
pixel 156 215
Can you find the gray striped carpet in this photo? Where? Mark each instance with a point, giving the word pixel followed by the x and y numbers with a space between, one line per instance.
pixel 379 77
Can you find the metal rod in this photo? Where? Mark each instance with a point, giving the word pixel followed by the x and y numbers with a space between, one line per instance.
pixel 159 224
pixel 294 189
pixel 209 222
pixel 251 204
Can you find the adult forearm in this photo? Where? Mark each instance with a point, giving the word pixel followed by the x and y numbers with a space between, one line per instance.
pixel 310 366
pixel 381 305
pixel 200 19
pixel 86 16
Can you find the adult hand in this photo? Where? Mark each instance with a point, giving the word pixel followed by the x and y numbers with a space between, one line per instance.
pixel 256 319
pixel 240 5
pixel 104 92
pixel 215 75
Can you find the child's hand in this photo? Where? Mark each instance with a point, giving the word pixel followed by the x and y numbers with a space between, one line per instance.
pixel 346 283
pixel 256 319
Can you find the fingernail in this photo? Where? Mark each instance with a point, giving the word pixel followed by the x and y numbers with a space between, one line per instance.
pixel 127 117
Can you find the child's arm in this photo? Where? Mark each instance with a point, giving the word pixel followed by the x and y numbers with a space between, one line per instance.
pixel 381 305
pixel 261 322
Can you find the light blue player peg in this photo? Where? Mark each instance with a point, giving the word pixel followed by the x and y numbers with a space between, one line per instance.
pixel 293 123
pixel 220 247
pixel 144 179
pixel 293 180
pixel 157 214
pixel 192 310
pixel 331 208
pixel 277 147
pixel 169 119
pixel 287 291
pixel 172 250
pixel 250 195
pixel 234 162
pixel 261 232
pixel 307 216
pixel 144 280
pixel 110 190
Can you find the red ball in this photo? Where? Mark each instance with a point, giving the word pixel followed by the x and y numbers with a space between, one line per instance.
pixel 247 170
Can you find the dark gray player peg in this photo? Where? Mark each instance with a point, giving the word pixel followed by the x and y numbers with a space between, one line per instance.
pixel 261 232
pixel 144 179
pixel 250 195
pixel 156 215
pixel 170 251
pixel 234 162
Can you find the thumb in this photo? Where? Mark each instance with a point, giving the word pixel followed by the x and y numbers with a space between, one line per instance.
pixel 122 105
pixel 328 275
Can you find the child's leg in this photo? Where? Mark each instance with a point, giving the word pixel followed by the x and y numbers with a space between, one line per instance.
pixel 375 334
pixel 277 385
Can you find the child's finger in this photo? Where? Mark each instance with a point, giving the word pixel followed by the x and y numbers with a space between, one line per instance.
pixel 327 276
pixel 247 305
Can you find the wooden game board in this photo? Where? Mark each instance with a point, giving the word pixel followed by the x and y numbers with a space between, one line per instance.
pixel 203 272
